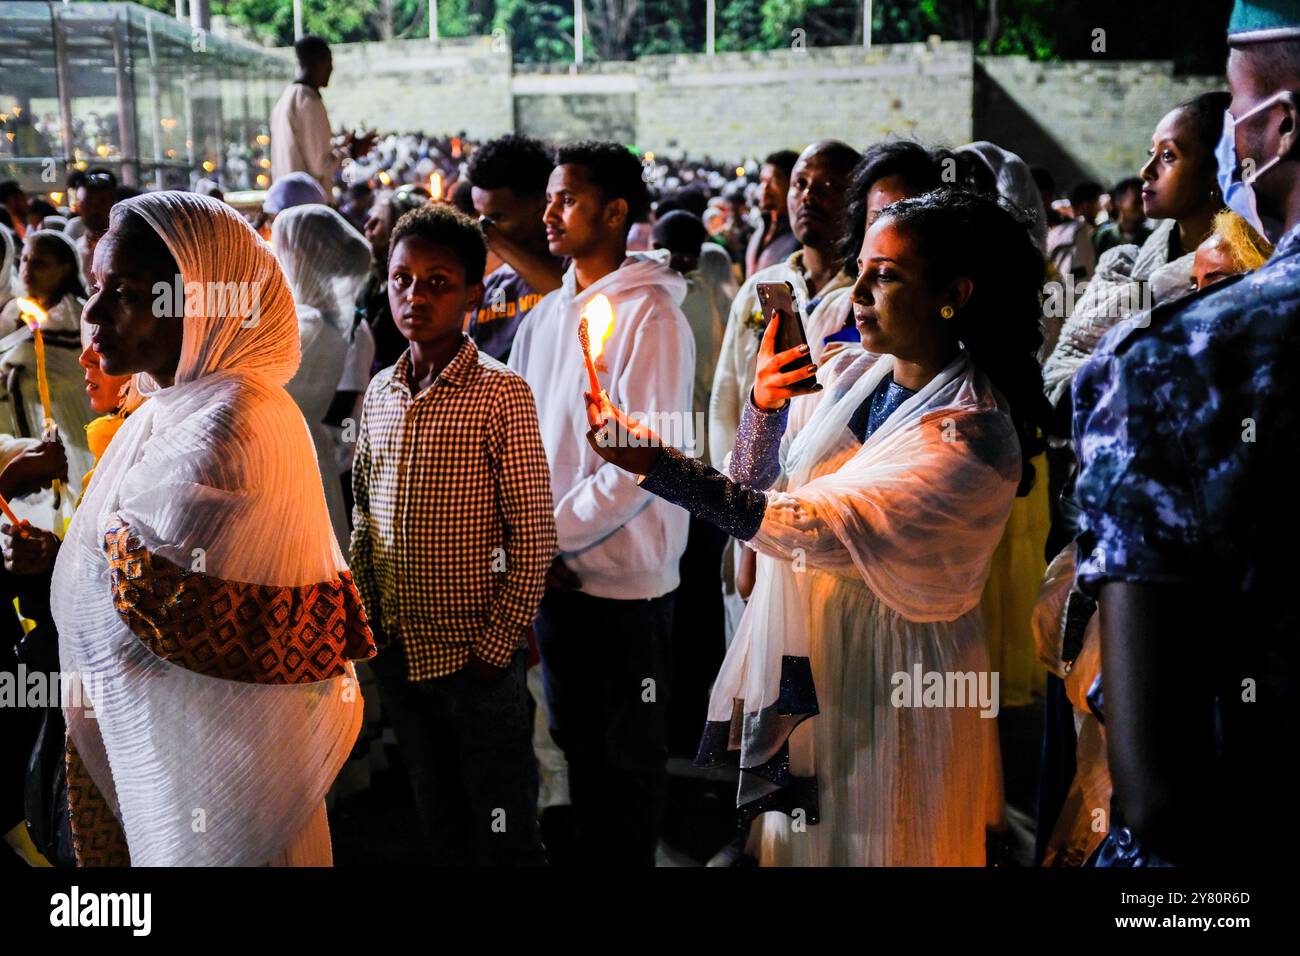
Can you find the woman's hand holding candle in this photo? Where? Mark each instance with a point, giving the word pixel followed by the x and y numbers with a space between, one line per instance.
pixel 618 439
pixel 34 469
pixel 27 549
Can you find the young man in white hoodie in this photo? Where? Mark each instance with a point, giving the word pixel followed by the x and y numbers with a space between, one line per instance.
pixel 605 623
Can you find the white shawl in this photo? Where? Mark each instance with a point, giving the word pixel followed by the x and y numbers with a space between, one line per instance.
pixel 915 513
pixel 216 474
pixel 1128 280
pixel 325 261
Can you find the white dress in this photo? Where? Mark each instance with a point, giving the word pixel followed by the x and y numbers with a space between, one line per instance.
pixel 219 634
pixel 325 261
pixel 871 564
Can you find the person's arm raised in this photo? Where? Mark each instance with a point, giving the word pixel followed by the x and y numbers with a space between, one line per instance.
pixel 541 270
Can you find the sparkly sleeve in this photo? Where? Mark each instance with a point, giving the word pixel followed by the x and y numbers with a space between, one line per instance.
pixel 756 460
pixel 706 493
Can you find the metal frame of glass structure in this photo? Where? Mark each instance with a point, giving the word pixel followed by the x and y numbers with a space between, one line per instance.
pixel 121 87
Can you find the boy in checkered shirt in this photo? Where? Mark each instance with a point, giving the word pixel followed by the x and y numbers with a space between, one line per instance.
pixel 454 531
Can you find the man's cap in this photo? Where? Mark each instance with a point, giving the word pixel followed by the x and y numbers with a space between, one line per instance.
pixel 1264 21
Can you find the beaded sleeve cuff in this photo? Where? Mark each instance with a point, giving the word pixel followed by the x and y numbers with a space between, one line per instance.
pixel 706 493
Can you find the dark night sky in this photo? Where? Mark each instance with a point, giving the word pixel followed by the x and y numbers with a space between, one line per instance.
pixel 1190 32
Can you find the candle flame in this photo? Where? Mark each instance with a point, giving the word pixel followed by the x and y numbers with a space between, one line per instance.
pixel 600 323
pixel 435 185
pixel 33 314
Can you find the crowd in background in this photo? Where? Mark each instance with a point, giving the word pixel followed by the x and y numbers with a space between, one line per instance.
pixel 927 482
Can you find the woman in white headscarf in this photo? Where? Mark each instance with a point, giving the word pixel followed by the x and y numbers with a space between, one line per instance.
pixel 1010 177
pixel 873 546
pixel 325 261
pixel 200 589
pixel 51 276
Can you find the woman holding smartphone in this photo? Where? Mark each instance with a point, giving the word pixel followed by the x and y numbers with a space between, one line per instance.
pixel 874 541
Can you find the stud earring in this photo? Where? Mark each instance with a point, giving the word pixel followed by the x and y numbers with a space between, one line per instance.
pixel 947 312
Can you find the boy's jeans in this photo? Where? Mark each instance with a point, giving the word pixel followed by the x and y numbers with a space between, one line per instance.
pixel 468 749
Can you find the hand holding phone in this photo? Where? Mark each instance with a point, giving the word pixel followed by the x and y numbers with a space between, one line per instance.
pixel 785 367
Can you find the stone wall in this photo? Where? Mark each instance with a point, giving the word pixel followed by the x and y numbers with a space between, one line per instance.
pixel 407 85
pixel 1081 119
pixel 737 105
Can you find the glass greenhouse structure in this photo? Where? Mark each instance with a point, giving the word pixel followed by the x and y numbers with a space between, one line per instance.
pixel 121 87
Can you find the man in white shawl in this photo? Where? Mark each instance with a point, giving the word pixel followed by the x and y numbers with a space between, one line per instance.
pixel 199 593
pixel 874 545
pixel 325 261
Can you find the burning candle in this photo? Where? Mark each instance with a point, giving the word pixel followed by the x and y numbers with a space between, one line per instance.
pixel 435 185
pixel 594 327
pixel 34 315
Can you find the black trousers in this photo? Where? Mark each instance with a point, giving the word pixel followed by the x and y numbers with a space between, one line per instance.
pixel 698 642
pixel 468 748
pixel 607 672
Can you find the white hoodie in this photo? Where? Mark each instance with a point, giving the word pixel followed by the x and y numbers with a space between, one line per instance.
pixel 621 541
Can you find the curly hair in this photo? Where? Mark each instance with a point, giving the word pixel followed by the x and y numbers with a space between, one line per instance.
pixel 516 161
pixel 615 171
pixel 960 233
pixel 1206 113
pixel 919 167
pixel 449 227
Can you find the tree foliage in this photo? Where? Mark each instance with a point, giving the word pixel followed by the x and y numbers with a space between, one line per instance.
pixel 542 30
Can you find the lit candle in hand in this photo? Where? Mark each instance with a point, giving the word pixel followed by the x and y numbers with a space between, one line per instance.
pixel 34 315
pixel 594 327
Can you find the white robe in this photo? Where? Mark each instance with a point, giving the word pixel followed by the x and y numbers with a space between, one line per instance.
pixel 871 563
pixel 215 474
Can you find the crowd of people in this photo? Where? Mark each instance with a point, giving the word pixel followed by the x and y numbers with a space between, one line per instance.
pixel 538 471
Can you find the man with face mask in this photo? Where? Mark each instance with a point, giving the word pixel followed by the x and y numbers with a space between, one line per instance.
pixel 1186 424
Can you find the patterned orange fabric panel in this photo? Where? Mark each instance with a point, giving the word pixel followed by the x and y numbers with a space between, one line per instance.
pixel 260 634
pixel 97 837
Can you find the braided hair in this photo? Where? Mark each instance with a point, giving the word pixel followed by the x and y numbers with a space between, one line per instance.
pixel 966 234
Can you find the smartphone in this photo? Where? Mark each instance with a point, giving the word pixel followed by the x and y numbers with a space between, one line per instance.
pixel 778 297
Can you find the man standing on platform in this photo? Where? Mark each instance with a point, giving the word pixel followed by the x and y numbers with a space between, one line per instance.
pixel 300 128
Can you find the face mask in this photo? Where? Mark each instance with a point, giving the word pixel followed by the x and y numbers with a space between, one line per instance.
pixel 1239 194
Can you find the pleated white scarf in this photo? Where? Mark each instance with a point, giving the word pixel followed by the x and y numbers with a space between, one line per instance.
pixel 215 473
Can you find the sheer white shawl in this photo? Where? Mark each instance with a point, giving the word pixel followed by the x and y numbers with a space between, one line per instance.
pixel 915 513
pixel 325 261
pixel 216 474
